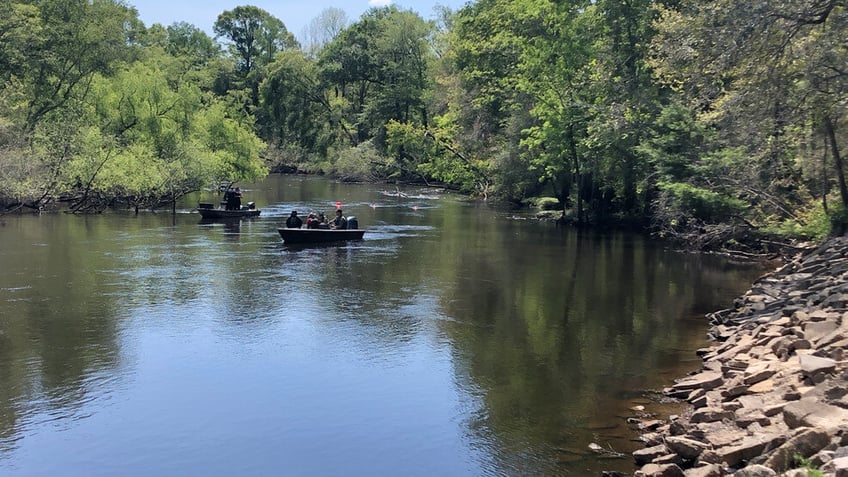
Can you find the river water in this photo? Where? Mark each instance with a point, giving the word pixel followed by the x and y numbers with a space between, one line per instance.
pixel 455 339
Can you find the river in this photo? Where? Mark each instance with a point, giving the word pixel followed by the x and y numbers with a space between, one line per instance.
pixel 456 339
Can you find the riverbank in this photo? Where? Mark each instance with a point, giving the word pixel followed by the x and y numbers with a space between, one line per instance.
pixel 772 395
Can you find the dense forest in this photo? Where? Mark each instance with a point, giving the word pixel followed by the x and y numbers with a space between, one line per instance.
pixel 703 121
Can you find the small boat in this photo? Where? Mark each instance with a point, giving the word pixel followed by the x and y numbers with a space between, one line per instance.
pixel 207 211
pixel 320 235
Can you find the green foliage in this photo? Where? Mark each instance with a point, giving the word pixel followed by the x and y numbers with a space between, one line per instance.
pixel 254 35
pixel 805 463
pixel 702 204
pixel 378 68
pixel 295 111
pixel 546 203
pixel 683 113
pixel 357 163
pixel 812 223
pixel 150 138
pixel 430 154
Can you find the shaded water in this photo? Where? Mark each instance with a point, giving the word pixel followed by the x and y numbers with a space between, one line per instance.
pixel 456 339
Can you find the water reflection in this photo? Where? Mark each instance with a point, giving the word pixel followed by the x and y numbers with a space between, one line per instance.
pixel 450 341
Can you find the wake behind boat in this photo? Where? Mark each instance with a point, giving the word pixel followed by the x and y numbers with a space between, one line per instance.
pixel 319 235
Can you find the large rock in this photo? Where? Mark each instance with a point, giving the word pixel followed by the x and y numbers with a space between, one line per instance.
pixel 689 449
pixel 755 471
pixel 814 331
pixel 643 456
pixel 811 365
pixel 657 470
pixel 709 414
pixel 758 372
pixel 750 447
pixel 711 470
pixel 804 445
pixel 838 467
pixel 706 380
pixel 810 412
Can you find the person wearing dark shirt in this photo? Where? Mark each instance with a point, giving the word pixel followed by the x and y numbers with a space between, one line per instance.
pixel 340 222
pixel 294 222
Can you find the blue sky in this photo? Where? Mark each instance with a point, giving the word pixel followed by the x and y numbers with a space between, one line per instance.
pixel 296 14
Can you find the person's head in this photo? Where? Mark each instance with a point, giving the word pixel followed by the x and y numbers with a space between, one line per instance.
pixel 339 212
pixel 294 213
pixel 238 190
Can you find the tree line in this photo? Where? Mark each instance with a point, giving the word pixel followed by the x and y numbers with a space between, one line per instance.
pixel 697 121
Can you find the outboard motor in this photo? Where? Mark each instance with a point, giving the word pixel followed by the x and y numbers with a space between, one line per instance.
pixel 251 205
pixel 352 223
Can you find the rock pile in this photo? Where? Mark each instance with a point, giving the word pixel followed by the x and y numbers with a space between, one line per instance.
pixel 772 396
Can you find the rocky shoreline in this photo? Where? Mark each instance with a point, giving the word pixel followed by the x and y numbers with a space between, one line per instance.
pixel 772 396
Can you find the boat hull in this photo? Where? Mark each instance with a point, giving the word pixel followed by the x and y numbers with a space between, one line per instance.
pixel 228 214
pixel 319 235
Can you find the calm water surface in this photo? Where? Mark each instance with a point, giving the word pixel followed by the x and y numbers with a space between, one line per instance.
pixel 456 339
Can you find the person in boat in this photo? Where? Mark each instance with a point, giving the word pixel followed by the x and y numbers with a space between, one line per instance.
pixel 237 199
pixel 322 221
pixel 294 222
pixel 340 222
pixel 232 199
pixel 312 221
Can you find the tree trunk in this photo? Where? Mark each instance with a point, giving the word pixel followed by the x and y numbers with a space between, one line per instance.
pixel 830 130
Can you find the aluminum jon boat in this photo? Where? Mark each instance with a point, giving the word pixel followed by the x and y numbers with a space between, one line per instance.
pixel 208 212
pixel 320 235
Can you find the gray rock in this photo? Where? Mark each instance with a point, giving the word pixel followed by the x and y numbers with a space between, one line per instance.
pixel 810 412
pixel 805 445
pixel 750 418
pixel 706 380
pixel 814 368
pixel 838 467
pixel 656 470
pixel 669 459
pixel 755 471
pixel 749 448
pixel 648 454
pixel 757 375
pixel 709 457
pixel 796 473
pixel 710 415
pixel 814 331
pixel 689 449
pixel 709 470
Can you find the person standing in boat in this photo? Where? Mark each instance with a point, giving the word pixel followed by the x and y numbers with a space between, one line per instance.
pixel 237 199
pixel 294 222
pixel 340 222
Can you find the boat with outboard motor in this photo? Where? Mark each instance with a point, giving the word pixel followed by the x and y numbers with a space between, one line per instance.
pixel 208 211
pixel 305 236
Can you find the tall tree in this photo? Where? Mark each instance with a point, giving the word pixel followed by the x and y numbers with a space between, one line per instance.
pixel 50 52
pixel 295 110
pixel 73 41
pixel 379 68
pixel 150 139
pixel 185 39
pixel 769 78
pixel 254 37
pixel 323 29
